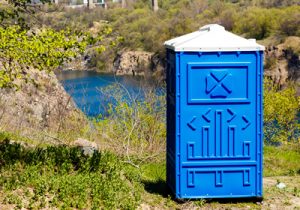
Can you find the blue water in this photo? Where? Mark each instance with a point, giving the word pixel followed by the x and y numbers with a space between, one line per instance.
pixel 86 89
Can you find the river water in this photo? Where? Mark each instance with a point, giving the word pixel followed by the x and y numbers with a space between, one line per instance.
pixel 86 88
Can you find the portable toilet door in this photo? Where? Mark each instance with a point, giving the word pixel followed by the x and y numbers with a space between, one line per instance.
pixel 214 115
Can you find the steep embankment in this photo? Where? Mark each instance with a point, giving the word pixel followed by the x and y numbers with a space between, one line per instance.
pixel 138 63
pixel 41 105
pixel 282 62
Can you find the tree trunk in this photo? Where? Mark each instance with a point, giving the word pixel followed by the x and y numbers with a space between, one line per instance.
pixel 91 4
pixel 154 5
pixel 124 4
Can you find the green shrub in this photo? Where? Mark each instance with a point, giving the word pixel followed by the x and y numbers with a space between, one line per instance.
pixel 290 21
pixel 281 107
pixel 256 23
pixel 65 178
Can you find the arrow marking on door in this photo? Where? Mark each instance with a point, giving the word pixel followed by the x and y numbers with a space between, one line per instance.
pixel 205 116
pixel 232 114
pixel 246 121
pixel 190 124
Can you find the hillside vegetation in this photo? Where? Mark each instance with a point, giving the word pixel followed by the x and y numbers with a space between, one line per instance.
pixel 41 168
pixel 137 27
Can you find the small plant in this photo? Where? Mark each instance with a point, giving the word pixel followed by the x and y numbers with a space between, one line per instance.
pixel 200 203
pixel 296 192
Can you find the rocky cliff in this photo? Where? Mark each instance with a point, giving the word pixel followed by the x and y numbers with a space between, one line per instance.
pixel 41 105
pixel 138 63
pixel 282 62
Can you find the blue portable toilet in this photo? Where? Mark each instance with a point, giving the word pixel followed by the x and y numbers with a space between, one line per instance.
pixel 214 115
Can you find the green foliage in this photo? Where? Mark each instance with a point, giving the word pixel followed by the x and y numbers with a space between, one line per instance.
pixel 154 171
pixel 143 29
pixel 289 24
pixel 22 48
pixel 42 50
pixel 280 113
pixel 62 177
pixel 11 12
pixel 257 22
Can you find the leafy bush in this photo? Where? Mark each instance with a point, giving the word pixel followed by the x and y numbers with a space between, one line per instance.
pixel 62 177
pixel 281 107
pixel 256 23
pixel 290 21
pixel 44 51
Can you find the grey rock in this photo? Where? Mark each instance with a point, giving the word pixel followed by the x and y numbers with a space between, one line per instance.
pixel 88 148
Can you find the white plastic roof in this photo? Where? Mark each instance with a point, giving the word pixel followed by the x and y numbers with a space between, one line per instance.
pixel 212 38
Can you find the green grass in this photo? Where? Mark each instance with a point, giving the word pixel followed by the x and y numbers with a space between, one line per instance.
pixel 15 137
pixel 63 177
pixel 278 161
pixel 281 161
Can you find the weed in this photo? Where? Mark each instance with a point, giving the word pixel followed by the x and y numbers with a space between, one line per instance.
pixel 296 192
pixel 200 203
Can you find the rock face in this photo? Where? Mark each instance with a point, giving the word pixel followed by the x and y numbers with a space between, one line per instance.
pixel 132 62
pixel 137 63
pixel 42 105
pixel 282 62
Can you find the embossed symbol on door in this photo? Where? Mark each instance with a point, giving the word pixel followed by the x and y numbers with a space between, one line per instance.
pixel 222 135
pixel 218 84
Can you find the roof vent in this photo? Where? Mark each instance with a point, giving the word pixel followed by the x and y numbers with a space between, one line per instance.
pixel 212 27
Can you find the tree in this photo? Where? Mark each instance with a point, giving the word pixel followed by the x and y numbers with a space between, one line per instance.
pixel 11 12
pixel 22 48
pixel 155 5
pixel 91 4
pixel 124 4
